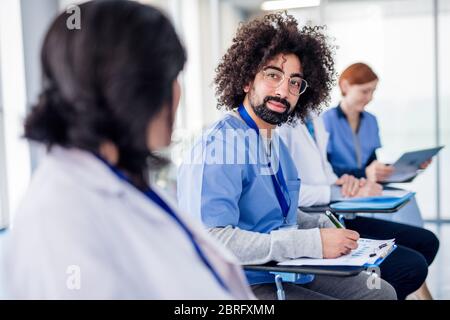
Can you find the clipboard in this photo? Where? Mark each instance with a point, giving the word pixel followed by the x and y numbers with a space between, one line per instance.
pixel 295 273
pixel 370 253
pixel 381 259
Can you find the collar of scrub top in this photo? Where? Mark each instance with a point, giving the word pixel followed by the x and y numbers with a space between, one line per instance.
pixel 277 179
pixel 341 114
pixel 154 197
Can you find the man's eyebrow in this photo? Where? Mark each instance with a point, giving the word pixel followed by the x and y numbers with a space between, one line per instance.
pixel 273 67
pixel 298 74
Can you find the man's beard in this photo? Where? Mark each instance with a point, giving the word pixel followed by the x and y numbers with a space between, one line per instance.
pixel 269 116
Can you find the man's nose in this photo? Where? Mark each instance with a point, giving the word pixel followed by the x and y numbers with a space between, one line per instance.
pixel 283 89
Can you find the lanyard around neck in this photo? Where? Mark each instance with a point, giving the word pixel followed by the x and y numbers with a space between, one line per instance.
pixel 310 126
pixel 154 197
pixel 277 179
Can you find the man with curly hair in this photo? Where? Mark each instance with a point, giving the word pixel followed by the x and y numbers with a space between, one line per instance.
pixel 239 178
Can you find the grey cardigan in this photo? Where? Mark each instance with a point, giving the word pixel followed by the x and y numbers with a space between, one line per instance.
pixel 257 248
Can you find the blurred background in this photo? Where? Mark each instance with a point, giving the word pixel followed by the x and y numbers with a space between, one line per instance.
pixel 405 41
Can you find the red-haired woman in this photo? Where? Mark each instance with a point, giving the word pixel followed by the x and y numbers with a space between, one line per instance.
pixel 353 141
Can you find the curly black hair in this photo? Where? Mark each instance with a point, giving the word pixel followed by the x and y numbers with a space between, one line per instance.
pixel 260 40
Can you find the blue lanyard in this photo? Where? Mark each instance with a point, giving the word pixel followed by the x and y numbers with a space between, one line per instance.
pixel 153 196
pixel 310 125
pixel 278 180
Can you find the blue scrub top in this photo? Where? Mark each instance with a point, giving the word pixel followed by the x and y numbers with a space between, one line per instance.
pixel 239 194
pixel 341 149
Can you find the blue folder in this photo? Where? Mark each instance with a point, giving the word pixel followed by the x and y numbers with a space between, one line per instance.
pixel 371 203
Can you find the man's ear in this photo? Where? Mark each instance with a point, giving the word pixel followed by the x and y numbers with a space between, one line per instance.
pixel 247 87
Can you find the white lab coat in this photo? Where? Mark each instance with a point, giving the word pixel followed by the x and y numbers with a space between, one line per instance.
pixel 314 170
pixel 82 233
pixel 317 175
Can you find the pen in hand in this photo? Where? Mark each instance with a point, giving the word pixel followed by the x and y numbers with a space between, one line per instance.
pixel 334 220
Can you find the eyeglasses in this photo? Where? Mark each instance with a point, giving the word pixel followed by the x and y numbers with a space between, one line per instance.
pixel 274 78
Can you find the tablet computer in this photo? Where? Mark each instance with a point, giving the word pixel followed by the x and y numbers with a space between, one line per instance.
pixel 407 166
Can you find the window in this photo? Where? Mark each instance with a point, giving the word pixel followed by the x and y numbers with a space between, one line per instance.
pixel 444 104
pixel 396 38
pixel 14 151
